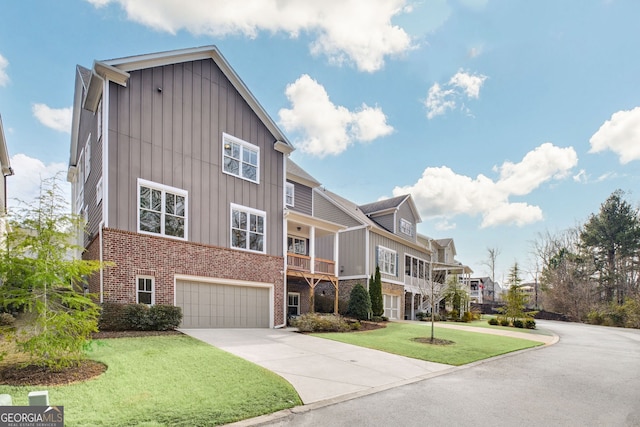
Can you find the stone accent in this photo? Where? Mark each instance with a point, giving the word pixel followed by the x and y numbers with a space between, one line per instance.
pixel 129 254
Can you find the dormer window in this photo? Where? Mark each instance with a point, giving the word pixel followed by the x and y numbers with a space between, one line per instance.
pixel 406 227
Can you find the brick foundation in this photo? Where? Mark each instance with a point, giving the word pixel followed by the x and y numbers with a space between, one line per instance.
pixel 131 254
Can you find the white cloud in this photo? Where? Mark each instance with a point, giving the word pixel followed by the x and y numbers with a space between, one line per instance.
pixel 469 83
pixel 24 185
pixel 620 134
pixel 4 77
pixel 55 118
pixel 441 193
pixel 462 85
pixel 439 101
pixel 358 31
pixel 328 128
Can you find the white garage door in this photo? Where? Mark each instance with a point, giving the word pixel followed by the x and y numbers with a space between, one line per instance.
pixel 217 305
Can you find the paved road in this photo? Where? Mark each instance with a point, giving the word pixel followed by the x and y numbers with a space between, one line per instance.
pixel 591 377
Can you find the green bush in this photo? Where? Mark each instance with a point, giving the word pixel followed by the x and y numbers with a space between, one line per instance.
pixel 530 324
pixel 314 322
pixel 517 323
pixel 493 321
pixel 594 317
pixel 139 317
pixel 504 321
pixel 165 317
pixel 422 316
pixel 359 303
pixel 112 317
pixel 467 316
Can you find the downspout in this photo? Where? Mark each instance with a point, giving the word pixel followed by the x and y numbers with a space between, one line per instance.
pixel 101 261
pixel 284 244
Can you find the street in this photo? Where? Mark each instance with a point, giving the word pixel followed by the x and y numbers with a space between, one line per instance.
pixel 591 377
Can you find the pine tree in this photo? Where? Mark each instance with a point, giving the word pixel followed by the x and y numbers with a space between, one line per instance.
pixel 359 303
pixel 375 293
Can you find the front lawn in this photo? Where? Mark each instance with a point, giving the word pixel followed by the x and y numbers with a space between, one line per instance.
pixel 468 347
pixel 166 381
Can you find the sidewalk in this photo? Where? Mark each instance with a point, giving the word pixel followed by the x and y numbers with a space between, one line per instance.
pixel 546 339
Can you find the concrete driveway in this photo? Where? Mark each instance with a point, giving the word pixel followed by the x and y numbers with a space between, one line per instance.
pixel 319 369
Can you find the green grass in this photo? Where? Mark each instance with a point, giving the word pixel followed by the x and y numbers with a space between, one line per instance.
pixel 483 323
pixel 167 381
pixel 397 338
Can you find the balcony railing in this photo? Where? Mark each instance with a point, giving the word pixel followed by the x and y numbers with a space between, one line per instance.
pixel 303 263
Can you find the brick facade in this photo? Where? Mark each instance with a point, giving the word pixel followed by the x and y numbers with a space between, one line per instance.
pixel 131 254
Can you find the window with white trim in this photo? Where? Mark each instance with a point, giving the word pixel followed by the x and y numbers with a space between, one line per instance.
pixel 87 158
pixel 406 227
pixel 99 120
pixel 241 158
pixel 293 303
pixel 248 228
pixel 290 194
pixel 387 260
pixel 99 191
pixel 415 267
pixel 145 290
pixel 297 245
pixel 162 210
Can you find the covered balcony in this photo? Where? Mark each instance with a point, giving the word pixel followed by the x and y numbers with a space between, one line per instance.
pixel 312 251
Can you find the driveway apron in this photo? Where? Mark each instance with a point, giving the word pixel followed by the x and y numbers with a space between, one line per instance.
pixel 319 369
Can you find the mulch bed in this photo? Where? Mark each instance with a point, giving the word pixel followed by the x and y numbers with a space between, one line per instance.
pixel 435 341
pixel 131 334
pixel 31 375
pixel 34 375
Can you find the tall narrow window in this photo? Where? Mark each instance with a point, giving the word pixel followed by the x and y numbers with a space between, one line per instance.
pixel 240 158
pixel 162 210
pixel 145 291
pixel 87 158
pixel 248 228
pixel 290 195
pixel 99 121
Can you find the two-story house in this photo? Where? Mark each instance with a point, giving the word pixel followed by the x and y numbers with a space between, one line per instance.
pixel 380 234
pixel 181 176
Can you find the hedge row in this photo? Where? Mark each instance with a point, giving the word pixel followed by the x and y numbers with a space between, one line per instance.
pixel 139 317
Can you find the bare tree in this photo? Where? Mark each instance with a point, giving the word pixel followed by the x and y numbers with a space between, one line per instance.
pixel 490 262
pixel 566 278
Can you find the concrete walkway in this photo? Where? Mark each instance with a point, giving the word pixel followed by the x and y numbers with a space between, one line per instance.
pixel 319 369
pixel 512 332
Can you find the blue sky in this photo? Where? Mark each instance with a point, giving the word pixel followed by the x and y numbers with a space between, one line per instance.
pixel 504 119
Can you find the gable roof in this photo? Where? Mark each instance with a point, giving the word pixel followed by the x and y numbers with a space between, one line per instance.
pixel 390 206
pixel 297 174
pixel 117 70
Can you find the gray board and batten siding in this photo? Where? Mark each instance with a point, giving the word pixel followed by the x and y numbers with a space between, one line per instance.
pixel 303 198
pixel 166 126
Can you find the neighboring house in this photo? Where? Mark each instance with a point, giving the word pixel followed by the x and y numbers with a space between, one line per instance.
pixel 181 176
pixel 482 290
pixel 445 263
pixel 380 234
pixel 7 171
